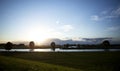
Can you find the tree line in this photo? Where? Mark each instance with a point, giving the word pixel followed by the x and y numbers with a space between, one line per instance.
pixel 8 46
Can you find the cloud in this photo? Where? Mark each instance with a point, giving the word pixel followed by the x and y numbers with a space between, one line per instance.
pixel 67 28
pixel 108 14
pixel 113 28
pixel 95 18
pixel 116 12
pixel 97 40
pixel 82 41
pixel 71 41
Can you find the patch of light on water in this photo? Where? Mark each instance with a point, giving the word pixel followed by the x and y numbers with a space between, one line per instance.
pixel 42 50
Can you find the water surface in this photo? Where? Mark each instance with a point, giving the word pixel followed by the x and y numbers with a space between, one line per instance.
pixel 58 50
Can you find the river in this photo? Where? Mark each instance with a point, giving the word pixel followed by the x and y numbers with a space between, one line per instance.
pixel 58 50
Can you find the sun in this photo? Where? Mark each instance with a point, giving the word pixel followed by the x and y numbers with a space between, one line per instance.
pixel 38 35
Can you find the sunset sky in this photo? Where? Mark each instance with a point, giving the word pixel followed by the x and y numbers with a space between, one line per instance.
pixel 37 20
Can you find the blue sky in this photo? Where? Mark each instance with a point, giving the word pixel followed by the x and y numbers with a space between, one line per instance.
pixel 37 20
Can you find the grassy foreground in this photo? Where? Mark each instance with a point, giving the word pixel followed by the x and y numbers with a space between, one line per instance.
pixel 50 61
pixel 15 64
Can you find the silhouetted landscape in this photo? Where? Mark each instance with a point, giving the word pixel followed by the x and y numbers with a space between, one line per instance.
pixel 64 46
pixel 57 61
pixel 59 35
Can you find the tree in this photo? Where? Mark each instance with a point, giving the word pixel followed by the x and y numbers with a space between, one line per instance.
pixel 53 45
pixel 78 45
pixel 67 45
pixel 31 45
pixel 8 46
pixel 106 44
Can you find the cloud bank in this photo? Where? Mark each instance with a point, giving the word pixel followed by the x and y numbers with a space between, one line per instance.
pixel 82 41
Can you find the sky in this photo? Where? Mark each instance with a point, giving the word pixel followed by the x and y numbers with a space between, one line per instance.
pixel 38 20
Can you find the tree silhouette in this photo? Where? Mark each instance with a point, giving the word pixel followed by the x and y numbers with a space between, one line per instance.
pixel 53 45
pixel 31 45
pixel 67 45
pixel 8 46
pixel 106 44
pixel 78 45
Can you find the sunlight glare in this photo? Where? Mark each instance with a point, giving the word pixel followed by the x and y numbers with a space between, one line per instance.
pixel 38 35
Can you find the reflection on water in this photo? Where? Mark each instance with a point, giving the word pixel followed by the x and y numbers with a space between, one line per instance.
pixel 59 50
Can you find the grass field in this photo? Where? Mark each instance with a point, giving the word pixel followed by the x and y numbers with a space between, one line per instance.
pixel 58 61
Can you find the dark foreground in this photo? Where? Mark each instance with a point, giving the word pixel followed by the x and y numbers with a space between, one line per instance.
pixel 60 61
